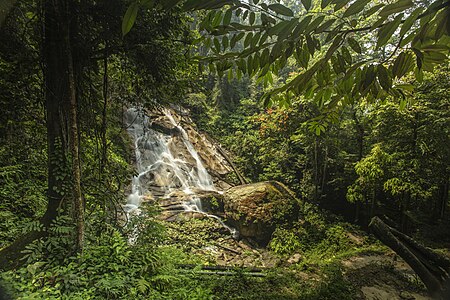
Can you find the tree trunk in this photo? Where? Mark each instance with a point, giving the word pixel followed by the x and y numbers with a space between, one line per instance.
pixel 432 268
pixel 78 206
pixel 56 93
pixel 60 105
pixel 324 174
pixel 316 171
pixel 360 141
pixel 104 112
pixel 372 202
pixel 5 7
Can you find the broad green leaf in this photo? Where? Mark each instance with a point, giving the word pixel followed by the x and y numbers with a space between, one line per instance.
pixel 325 26
pixel 252 18
pixel 314 24
pixel 281 9
pixel 334 46
pixel 396 7
pixel 255 40
pixel 311 45
pixel 129 18
pixel 378 23
pixel 386 32
pixel 227 17
pixel 403 103
pixel 236 38
pixel 346 54
pixel 355 8
pixel 288 29
pixel 410 21
pixel 418 73
pixel 263 38
pixel 403 64
pixel 354 45
pixel 275 30
pixel 325 3
pixel 265 57
pixel 419 57
pixel 434 57
pixel 307 4
pixel 435 48
pixel 225 42
pixel 373 10
pixel 233 41
pixel 217 45
pixel 405 86
pixel 230 75
pixel 304 58
pixel 244 16
pixel 302 26
pixel 217 19
pixel 368 79
pixel 248 39
pixel 339 4
pixel 383 78
pixel 336 65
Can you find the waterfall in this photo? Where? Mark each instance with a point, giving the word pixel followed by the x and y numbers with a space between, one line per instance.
pixel 161 171
pixel 204 180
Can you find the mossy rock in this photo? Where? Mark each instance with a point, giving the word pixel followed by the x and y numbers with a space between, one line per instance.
pixel 256 209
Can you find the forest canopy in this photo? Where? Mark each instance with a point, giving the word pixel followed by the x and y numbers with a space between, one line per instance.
pixel 315 123
pixel 343 50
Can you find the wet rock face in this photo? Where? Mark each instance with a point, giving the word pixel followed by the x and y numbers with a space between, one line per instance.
pixel 214 162
pixel 256 209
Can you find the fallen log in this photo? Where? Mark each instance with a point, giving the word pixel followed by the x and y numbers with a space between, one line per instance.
pixel 229 249
pixel 221 268
pixel 431 267
pixel 228 273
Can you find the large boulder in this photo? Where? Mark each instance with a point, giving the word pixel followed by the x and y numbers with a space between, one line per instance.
pixel 256 209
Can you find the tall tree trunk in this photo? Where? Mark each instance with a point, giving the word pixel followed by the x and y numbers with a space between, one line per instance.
pixel 360 141
pixel 372 202
pixel 104 112
pixel 5 7
pixel 56 87
pixel 316 170
pixel 443 198
pixel 56 79
pixel 78 206
pixel 324 174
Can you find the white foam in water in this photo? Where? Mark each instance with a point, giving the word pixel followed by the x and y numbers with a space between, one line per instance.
pixel 159 169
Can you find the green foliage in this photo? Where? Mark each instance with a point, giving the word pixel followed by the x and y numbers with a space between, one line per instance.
pixel 274 34
pixel 284 242
pixel 109 267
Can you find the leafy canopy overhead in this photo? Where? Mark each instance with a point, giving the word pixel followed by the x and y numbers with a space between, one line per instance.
pixel 343 50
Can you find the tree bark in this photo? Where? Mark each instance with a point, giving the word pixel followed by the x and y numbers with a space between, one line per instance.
pixel 78 206
pixel 431 267
pixel 360 141
pixel 5 7
pixel 104 112
pixel 56 87
pixel 60 106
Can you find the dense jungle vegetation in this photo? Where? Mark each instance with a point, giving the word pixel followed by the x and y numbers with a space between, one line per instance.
pixel 345 102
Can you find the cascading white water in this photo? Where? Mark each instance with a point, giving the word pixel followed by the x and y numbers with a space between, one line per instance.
pixel 160 172
pixel 204 180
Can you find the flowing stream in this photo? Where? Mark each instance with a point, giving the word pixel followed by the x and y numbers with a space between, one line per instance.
pixel 161 170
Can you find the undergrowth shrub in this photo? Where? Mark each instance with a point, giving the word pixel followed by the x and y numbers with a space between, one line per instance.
pixel 110 267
